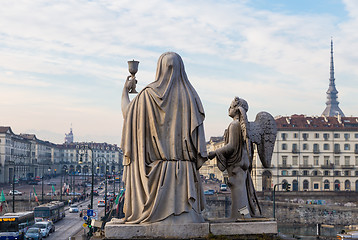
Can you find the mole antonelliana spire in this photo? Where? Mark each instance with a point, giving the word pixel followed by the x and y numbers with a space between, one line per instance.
pixel 332 108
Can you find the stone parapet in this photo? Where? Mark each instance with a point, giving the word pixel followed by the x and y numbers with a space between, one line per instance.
pixel 189 230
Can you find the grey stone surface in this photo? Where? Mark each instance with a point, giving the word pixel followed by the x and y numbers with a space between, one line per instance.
pixel 156 230
pixel 187 231
pixel 243 228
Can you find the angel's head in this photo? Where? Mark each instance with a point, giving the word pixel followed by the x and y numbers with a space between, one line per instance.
pixel 235 105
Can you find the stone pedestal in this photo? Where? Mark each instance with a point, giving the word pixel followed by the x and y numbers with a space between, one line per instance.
pixel 188 231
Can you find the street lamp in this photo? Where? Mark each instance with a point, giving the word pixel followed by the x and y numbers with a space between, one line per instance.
pixel 82 149
pixel 42 187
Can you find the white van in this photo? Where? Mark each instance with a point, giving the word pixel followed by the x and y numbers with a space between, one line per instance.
pixel 223 187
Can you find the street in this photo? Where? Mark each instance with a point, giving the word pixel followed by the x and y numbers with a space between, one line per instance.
pixel 72 223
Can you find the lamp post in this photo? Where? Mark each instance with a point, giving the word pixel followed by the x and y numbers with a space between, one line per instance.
pixel 13 191
pixel 82 149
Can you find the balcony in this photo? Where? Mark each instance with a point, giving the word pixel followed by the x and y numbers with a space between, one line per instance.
pixel 329 166
pixel 295 151
pixel 316 151
pixel 337 151
pixel 284 166
pixel 356 151
pixel 306 166
pixel 347 166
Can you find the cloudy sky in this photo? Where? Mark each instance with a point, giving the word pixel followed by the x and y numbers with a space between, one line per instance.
pixel 63 63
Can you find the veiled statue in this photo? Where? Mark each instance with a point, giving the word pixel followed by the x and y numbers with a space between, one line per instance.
pixel 163 146
pixel 236 156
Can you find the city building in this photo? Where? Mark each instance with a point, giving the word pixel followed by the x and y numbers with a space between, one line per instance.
pixel 312 153
pixel 24 156
pixel 209 170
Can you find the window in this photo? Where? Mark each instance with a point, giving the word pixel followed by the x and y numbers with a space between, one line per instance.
pixel 347 185
pixel 356 173
pixel 326 173
pixel 316 135
pixel 295 160
pixel 356 148
pixel 284 136
pixel 326 185
pixel 356 135
pixel 305 173
pixel 347 173
pixel 315 148
pixel 336 135
pixel 305 184
pixel 346 136
pixel 315 173
pixel 316 186
pixel 294 147
pixel 305 146
pixel 304 136
pixel 284 172
pixel 294 173
pixel 336 160
pixel 326 146
pixel 336 148
pixel 316 160
pixel 356 160
pixel 305 160
pixel 347 146
pixel 295 135
pixel 347 160
pixel 326 160
pixel 326 136
pixel 284 160
pixel 284 146
pixel 337 173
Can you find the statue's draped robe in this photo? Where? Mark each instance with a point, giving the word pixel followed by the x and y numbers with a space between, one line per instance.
pixel 163 146
pixel 234 153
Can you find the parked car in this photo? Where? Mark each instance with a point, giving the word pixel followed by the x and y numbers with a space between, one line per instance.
pixel 50 194
pixel 100 187
pixel 74 209
pixel 44 226
pixel 33 183
pixel 51 183
pixel 33 233
pixel 209 192
pixel 15 192
pixel 101 203
pixel 95 193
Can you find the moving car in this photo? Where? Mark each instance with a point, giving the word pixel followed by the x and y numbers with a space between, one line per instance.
pixel 101 203
pixel 52 227
pixel 74 209
pixel 15 192
pixel 33 233
pixel 44 226
pixel 223 187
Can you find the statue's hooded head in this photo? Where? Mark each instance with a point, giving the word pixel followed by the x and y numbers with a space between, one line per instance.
pixel 170 73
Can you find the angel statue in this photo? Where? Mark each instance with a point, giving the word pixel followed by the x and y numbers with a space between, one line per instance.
pixel 237 153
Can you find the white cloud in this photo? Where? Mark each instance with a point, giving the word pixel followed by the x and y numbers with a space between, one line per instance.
pixel 69 57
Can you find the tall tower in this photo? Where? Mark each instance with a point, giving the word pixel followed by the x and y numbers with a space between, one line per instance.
pixel 332 108
pixel 69 137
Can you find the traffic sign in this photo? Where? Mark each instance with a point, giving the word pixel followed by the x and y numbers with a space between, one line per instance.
pixel 85 218
pixel 90 212
pixel 95 214
pixel 84 225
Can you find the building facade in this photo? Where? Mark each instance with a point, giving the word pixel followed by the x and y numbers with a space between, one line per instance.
pixel 313 154
pixel 24 156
